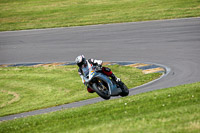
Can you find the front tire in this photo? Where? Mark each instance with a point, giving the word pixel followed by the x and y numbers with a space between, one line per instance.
pixel 104 94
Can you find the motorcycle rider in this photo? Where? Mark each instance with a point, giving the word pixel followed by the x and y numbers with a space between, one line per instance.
pixel 83 68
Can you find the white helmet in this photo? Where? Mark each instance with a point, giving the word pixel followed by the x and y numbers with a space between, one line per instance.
pixel 80 60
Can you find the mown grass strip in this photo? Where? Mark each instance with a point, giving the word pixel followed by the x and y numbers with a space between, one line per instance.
pixel 34 14
pixel 175 109
pixel 43 87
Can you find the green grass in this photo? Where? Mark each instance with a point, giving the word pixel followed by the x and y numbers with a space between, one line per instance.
pixel 175 109
pixel 34 14
pixel 44 87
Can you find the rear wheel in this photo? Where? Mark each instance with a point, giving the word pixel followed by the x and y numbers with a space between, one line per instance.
pixel 124 88
pixel 101 89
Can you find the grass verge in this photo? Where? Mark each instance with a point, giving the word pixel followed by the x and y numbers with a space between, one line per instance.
pixel 34 14
pixel 175 109
pixel 28 88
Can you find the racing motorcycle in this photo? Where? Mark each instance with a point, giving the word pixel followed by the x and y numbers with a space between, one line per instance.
pixel 104 86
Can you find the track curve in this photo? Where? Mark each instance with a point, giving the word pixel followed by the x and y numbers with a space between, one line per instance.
pixel 151 66
pixel 174 43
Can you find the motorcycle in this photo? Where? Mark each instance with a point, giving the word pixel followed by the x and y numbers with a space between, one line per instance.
pixel 104 86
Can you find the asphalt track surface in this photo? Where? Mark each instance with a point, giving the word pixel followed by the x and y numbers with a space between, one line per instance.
pixel 173 43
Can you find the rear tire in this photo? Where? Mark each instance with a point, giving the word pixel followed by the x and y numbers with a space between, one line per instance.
pixel 101 93
pixel 125 90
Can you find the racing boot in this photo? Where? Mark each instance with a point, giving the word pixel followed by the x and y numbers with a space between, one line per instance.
pixel 117 80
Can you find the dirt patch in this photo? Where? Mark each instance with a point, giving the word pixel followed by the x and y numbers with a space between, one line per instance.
pixel 194 126
pixel 47 65
pixel 5 65
pixel 16 98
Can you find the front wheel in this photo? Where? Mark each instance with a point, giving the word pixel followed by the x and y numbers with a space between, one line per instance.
pixel 125 90
pixel 101 91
